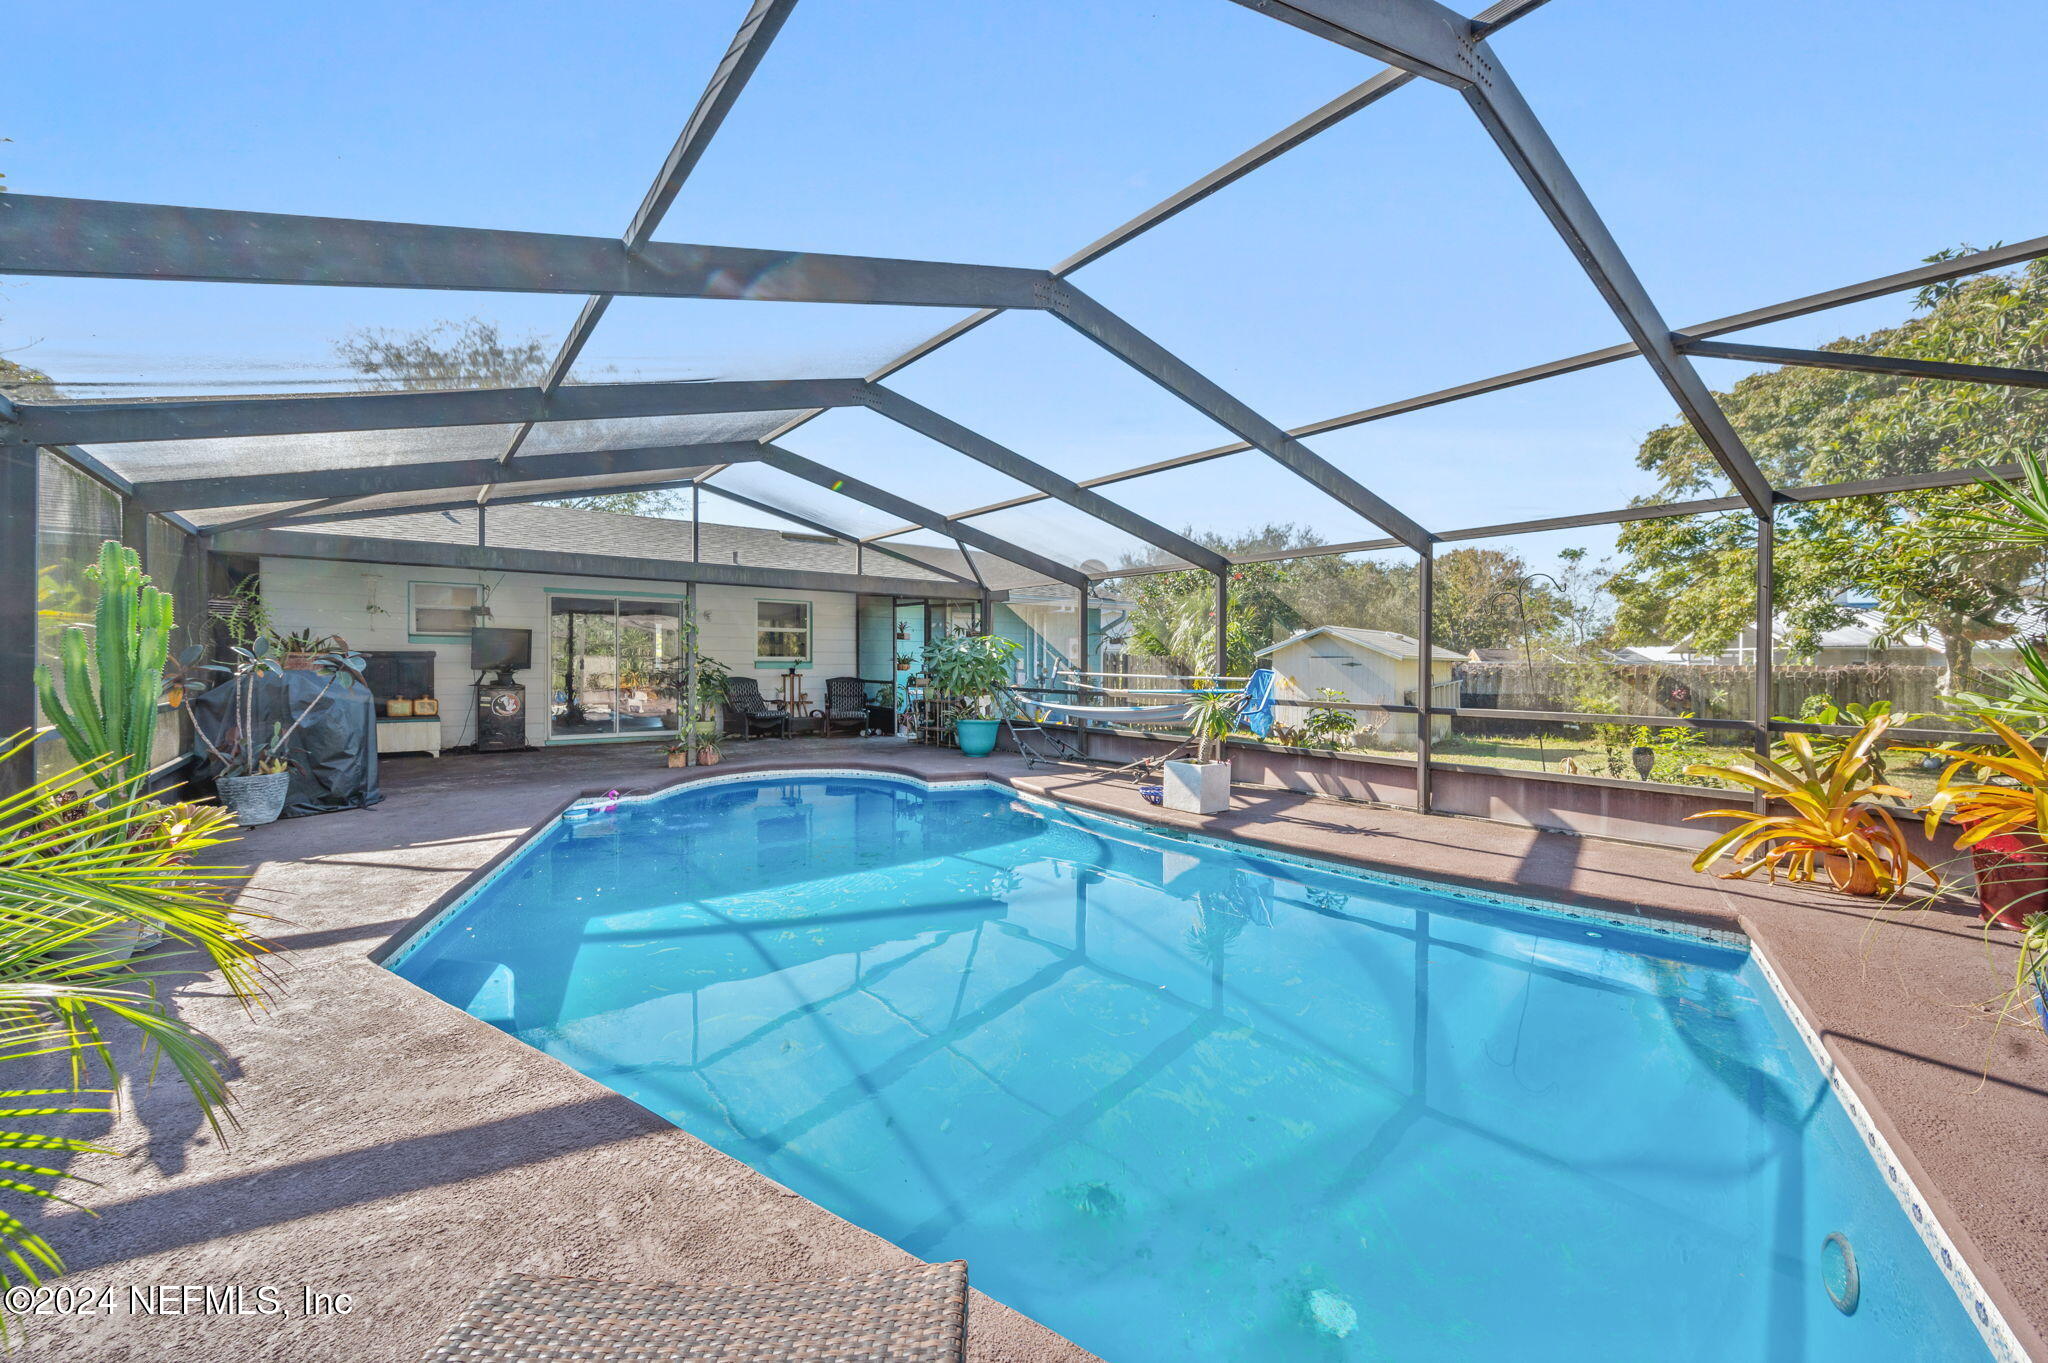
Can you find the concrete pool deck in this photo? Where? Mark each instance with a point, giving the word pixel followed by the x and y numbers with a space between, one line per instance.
pixel 401 1152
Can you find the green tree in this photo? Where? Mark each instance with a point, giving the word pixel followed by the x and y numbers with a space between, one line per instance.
pixel 473 354
pixel 1691 579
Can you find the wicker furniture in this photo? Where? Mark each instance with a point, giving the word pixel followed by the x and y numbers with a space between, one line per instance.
pixel 754 715
pixel 897 1315
pixel 846 704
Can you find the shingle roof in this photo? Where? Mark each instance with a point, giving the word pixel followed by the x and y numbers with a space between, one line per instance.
pixel 531 525
pixel 1379 640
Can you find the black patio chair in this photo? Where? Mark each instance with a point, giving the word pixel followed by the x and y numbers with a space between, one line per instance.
pixel 846 704
pixel 743 703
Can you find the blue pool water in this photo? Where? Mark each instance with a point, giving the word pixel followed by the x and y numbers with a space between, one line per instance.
pixel 1182 1102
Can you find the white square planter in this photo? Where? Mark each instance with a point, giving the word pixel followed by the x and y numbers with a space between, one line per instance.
pixel 1197 787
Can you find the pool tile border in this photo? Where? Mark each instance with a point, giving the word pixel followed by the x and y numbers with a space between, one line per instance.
pixel 1948 1259
pixel 1990 1322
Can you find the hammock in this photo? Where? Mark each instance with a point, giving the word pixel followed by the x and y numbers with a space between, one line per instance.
pixel 1134 716
pixel 1256 705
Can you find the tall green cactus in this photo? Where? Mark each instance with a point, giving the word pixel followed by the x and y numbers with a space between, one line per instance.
pixel 113 683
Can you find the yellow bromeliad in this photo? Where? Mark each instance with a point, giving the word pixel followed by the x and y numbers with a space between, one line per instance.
pixel 1987 808
pixel 1833 827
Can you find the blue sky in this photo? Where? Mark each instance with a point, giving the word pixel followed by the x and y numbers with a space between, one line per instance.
pixel 1741 150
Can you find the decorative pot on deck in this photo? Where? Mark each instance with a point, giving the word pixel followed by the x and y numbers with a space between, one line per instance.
pixel 977 736
pixel 1196 787
pixel 254 800
pixel 679 759
pixel 709 757
pixel 2012 877
pixel 1850 875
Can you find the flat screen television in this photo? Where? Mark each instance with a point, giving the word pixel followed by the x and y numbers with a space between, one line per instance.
pixel 500 650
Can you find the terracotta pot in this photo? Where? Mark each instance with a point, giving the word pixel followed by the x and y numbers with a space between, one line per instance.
pixel 709 757
pixel 1850 875
pixel 2012 877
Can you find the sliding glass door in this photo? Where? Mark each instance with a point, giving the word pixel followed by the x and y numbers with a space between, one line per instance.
pixel 612 662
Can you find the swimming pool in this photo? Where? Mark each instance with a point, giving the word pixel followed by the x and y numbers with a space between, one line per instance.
pixel 1180 1100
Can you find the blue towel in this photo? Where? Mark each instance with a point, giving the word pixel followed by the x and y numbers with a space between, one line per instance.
pixel 1256 714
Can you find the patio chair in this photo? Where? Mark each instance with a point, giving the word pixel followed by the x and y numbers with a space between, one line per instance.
pixel 744 703
pixel 846 704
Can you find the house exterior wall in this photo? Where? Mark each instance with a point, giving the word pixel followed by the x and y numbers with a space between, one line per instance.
pixel 333 598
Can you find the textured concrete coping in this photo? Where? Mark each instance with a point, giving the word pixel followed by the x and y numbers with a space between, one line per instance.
pixel 400 1152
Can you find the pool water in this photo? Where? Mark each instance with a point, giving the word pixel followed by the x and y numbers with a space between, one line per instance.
pixel 1177 1101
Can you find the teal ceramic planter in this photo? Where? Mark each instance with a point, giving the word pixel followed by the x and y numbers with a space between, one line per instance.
pixel 977 736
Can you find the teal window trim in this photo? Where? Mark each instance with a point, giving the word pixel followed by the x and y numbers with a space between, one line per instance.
pixel 810 637
pixel 412 612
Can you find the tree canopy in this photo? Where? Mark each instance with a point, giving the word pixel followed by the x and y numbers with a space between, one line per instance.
pixel 473 354
pixel 1691 579
pixel 1483 597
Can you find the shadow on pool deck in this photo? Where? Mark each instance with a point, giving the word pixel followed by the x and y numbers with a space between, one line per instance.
pixel 400 1151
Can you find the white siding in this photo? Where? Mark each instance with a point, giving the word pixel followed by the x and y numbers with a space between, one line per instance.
pixel 1364 675
pixel 333 598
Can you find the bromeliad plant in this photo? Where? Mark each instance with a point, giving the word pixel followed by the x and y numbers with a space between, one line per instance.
pixel 85 861
pixel 1990 792
pixel 1830 822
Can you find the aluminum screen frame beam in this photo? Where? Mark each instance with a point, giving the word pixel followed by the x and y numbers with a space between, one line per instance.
pixel 1868 364
pixel 556 563
pixel 104 423
pixel 105 239
pixel 850 541
pixel 749 45
pixel 19 509
pixel 256 489
pixel 345 512
pixel 1996 258
pixel 1104 327
pixel 1424 37
pixel 926 422
pixel 1359 97
pixel 775 457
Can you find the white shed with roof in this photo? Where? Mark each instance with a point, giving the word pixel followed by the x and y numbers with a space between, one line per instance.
pixel 1368 666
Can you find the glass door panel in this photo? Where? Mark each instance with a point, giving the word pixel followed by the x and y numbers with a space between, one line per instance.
pixel 650 648
pixel 605 660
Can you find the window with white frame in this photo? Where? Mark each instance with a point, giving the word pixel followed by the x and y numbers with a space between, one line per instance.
pixel 782 631
pixel 445 608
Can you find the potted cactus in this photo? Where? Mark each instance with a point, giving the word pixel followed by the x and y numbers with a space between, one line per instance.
pixel 113 673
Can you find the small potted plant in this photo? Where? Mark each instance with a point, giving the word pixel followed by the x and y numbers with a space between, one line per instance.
pixel 1203 785
pixel 969 670
pixel 710 745
pixel 1832 826
pixel 301 650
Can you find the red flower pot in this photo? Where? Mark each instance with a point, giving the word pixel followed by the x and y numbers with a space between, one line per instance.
pixel 2012 877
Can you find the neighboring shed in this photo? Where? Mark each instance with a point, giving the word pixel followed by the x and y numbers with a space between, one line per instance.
pixel 1367 666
